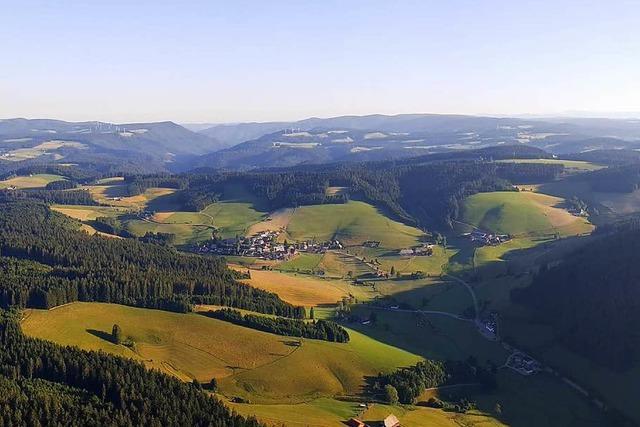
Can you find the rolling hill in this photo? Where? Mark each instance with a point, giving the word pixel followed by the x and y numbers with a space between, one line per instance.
pixel 375 137
pixel 152 146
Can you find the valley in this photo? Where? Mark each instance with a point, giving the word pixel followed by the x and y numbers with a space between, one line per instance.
pixel 405 290
pixel 419 309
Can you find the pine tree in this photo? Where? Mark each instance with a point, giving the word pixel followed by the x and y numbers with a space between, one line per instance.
pixel 116 334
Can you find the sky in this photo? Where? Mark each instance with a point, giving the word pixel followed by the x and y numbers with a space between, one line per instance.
pixel 230 61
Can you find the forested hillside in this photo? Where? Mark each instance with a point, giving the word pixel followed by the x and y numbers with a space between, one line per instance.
pixel 46 262
pixel 591 299
pixel 617 179
pixel 427 194
pixel 45 384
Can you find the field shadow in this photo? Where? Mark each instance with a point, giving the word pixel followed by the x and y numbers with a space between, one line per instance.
pixel 412 331
pixel 101 334
pixel 166 203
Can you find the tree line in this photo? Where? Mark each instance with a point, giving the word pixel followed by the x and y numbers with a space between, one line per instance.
pixel 319 330
pixel 47 261
pixel 42 383
pixel 63 197
pixel 410 382
pixel 591 298
pixel 428 194
pixel 137 184
pixel 617 179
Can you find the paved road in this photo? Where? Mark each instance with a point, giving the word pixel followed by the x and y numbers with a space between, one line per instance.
pixel 471 292
pixel 444 313
pixel 441 313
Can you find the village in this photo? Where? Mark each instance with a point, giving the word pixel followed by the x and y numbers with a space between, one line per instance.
pixel 265 245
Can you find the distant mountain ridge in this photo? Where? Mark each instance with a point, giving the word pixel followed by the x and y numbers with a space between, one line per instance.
pixel 378 137
pixel 167 146
pixel 152 145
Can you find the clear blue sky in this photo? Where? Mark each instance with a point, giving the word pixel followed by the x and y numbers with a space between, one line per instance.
pixel 214 61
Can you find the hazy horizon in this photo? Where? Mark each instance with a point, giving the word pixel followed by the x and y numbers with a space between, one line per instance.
pixel 631 115
pixel 215 62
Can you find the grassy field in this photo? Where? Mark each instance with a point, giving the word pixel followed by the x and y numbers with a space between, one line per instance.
pixel 47 147
pixel 570 165
pixel 342 265
pixel 262 367
pixel 306 290
pixel 432 265
pixel 618 203
pixel 522 213
pixel 230 217
pixel 184 233
pixel 113 193
pixel 88 213
pixel 303 262
pixel 353 223
pixel 327 412
pixel 422 417
pixel 31 181
pixel 322 412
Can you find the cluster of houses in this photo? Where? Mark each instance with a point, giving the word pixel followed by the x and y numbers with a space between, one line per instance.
pixel 489 326
pixel 424 250
pixel 264 245
pixel 487 239
pixel 578 211
pixel 144 215
pixel 523 364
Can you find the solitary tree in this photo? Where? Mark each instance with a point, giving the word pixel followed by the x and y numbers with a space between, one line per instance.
pixel 393 270
pixel 312 314
pixel 391 394
pixel 116 334
pixel 498 409
pixel 213 384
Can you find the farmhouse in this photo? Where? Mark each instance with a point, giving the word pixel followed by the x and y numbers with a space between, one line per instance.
pixel 391 421
pixel 371 244
pixel 354 422
pixel 425 250
pixel 523 363
pixel 487 238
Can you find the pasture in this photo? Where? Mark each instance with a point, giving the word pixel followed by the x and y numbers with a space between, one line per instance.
pixel 113 193
pixel 229 217
pixel 353 223
pixel 303 263
pixel 521 213
pixel 306 290
pixel 386 259
pixel 44 148
pixel 326 412
pixel 184 233
pixel 571 166
pixel 32 181
pixel 88 213
pixel 618 203
pixel 259 366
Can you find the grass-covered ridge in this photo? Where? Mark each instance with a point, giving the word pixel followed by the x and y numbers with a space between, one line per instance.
pixel 521 213
pixel 255 365
pixel 353 222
